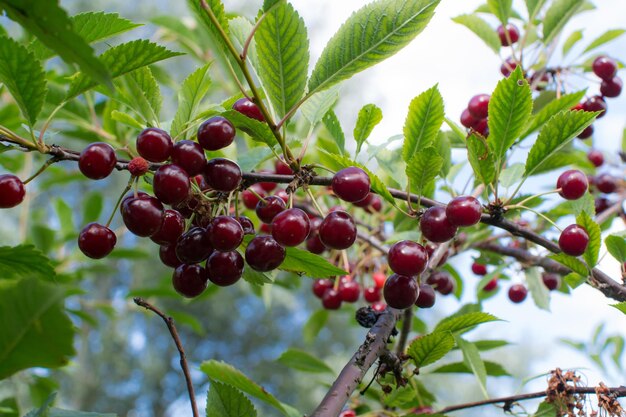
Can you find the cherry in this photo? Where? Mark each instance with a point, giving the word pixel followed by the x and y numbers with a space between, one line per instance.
pixel 154 144
pixel 291 227
pixel 601 204
pixel 606 183
pixel 464 211
pixel 338 230
pixel 167 254
pixel 349 291
pixel 539 80
pixel 331 300
pixel 491 285
pixel 171 184
pixel 194 246
pixel 246 225
pixel 267 186
pixel 611 88
pixel 604 67
pixel 138 166
pixel 372 294
pixel 573 184
pixel 225 233
pixel 508 67
pixel 517 293
pixel 513 33
pixel 482 127
pixel 595 103
pixel 267 209
pixel 248 108
pixel 348 413
pixel 407 258
pixel 586 133
pixel 96 241
pixel 12 191
pixel 426 297
pixel 142 215
pixel 376 205
pixel 189 280
pixel 478 106
pixel 595 157
pixel 224 268
pixel 283 194
pixel 430 249
pixel 351 184
pixel 574 240
pixel 442 282
pixel 216 133
pixel 189 156
pixel 551 281
pixel 314 244
pixel 265 228
pixel 379 279
pixel 366 202
pixel 223 174
pixel 400 291
pixel 97 160
pixel 250 199
pixel 281 168
pixel 467 119
pixel 379 306
pixel 264 254
pixel 171 229
pixel 320 286
pixel 479 269
pixel 200 181
pixel 435 225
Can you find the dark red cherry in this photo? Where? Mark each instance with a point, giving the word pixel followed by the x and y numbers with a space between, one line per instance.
pixel 268 208
pixel 372 294
pixel 407 258
pixel 595 103
pixel 508 67
pixel 171 184
pixel 248 108
pixel 314 244
pixel 604 67
pixel 331 300
pixel 250 199
pixel 606 183
pixel 189 156
pixel 283 195
pixel 216 133
pixel 291 227
pixel 264 254
pixel 467 119
pixel 320 286
pixel 12 191
pixel 189 280
pixel 482 127
pixel 224 268
pixel 97 160
pixel 601 204
pixel 349 291
pixel 479 269
pixel 517 293
pixel 551 281
pixel 246 225
pixel 442 282
pixel 200 182
pixel 154 144
pixel 267 186
pixel 194 246
pixel 338 230
pixel 595 157
pixel 351 184
pixel 464 211
pixel 478 106
pixel 491 285
pixel 96 241
pixel 376 205
pixel 513 34
pixel 167 254
pixel 226 233
pixel 574 240
pixel 281 168
pixel 366 202
pixel 611 88
pixel 223 174
pixel 426 296
pixel 400 291
pixel 573 184
pixel 435 225
pixel 171 229
pixel 142 215
pixel 586 133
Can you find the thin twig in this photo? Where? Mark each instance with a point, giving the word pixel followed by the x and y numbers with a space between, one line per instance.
pixel 407 317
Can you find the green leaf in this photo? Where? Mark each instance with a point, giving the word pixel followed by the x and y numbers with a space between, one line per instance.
pixel 595 238
pixel 217 8
pixel 283 50
pixel 422 123
pixel 127 119
pixel 574 280
pixel 464 322
pixel 572 263
pixel 191 93
pixel 616 245
pixel 606 37
pixel 258 131
pixel 226 401
pixel 490 344
pixel 501 9
pixel 267 4
pixel 24 261
pixel 534 6
pixel 314 325
pixel 492 369
pixel 122 59
pixel 556 134
pixel 23 76
pixel 240 29
pixel 31 316
pixel 57 412
pixel 369 116
pixel 481 28
pixel 66 216
pixel 509 109
pixel 620 306
pixel 332 124
pixel 511 175
pixel 309 264
pixel 374 33
pixel 557 16
pixel 316 107
pixel 545 410
pixel 52 26
pixel 584 204
pixel 471 358
pixel 572 40
pixel 141 92
pixel 92 206
pixel 191 320
pixel 480 158
pixel 303 361
pixel 538 290
pixel 423 168
pixel 430 348
pixel 255 277
pixel 565 102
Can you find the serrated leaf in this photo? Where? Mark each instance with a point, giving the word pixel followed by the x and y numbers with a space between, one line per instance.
pixel 191 93
pixel 258 131
pixel 556 105
pixel 374 33
pixel 538 290
pixel 616 245
pixel 481 28
pixel 464 322
pixel 545 409
pixel 332 124
pixel 24 261
pixel 122 59
pixel 558 131
pixel 126 119
pixel 283 50
pixel 240 29
pixel 314 325
pixel 141 92
pixel 309 264
pixel 423 168
pixel 572 263
pixel 369 116
pixel 584 204
pixel 267 4
pixel 217 8
pixel 255 277
pixel 303 361
pixel 444 150
pixel 226 401
pixel 481 159
pixel 23 76
pixel 492 369
pixel 606 37
pixel 557 16
pixel 422 123
pixel 595 238
pixel 501 9
pixel 572 40
pixel 316 107
pixel 471 358
pixel 620 306
pixel 92 206
pixel 429 348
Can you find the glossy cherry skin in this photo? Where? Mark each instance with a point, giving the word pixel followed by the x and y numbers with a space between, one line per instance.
pixel 338 230
pixel 517 293
pixel 171 184
pixel 291 227
pixel 464 211
pixel 349 291
pixel 194 246
pixel 267 186
pixel 604 67
pixel 478 106
pixel 586 133
pixel 246 107
pixel 479 269
pixel 372 294
pixel 348 413
pixel 482 127
pixel 491 285
pixel 189 280
pixel 595 157
pixel 551 281
pixel 224 268
pixel 264 254
pixel 400 291
pixel 96 241
pixel 172 227
pixel 513 33
pixel 573 184
pixel 611 88
pixel 216 133
pixel 574 240
pixel 407 258
pixel 225 233
pixel 442 282
pixel 320 286
pixel 351 184
pixel 606 183
pixel 12 191
pixel 97 161
pixel 435 225
pixel 331 300
pixel 155 145
pixel 222 174
pixel 379 279
pixel 595 103
pixel 313 242
pixel 246 225
pixel 268 208
pixel 167 255
pixel 143 215
pixel 250 199
pixel 467 119
pixel 426 297
pixel 189 156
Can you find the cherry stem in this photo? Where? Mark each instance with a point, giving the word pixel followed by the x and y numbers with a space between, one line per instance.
pixel 45 166
pixel 543 216
pixel 314 202
pixel 119 199
pixel 407 317
pixel 532 197
pixel 257 195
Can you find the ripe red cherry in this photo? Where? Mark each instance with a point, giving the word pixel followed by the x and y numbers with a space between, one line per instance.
pixel 482 127
pixel 338 230
pixel 508 67
pixel 435 225
pixel 467 119
pixel 138 166
pixel 351 184
pixel 407 258
pixel 595 103
pixel 601 204
pixel 464 211
pixel 248 108
pixel 216 133
pixel 371 294
pixel 314 244
pixel 573 184
pixel 189 280
pixel 267 186
pixel 96 241
pixel 349 291
pixel 491 285
pixel 167 255
pixel 193 246
pixel 479 269
pixel 611 88
pixel 348 413
pixel 517 293
pixel 12 191
pixel 426 297
pixel 513 33
pixel 366 202
pixel 267 209
pixel 331 300
pixel 282 194
pixel 142 215
pixel 281 168
pixel 442 282
pixel 478 106
pixel 223 174
pixel 264 254
pixel 97 160
pixel 586 133
pixel 379 306
pixel 606 183
pixel 400 291
pixel 171 229
pixel 250 199
pixel 551 281
pixel 574 240
pixel 595 157
pixel 320 286
pixel 604 67
pixel 379 279
pixel 226 233
pixel 200 181
pixel 189 156
pixel 171 184
pixel 224 268
pixel 291 227
pixel 246 225
pixel 154 144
